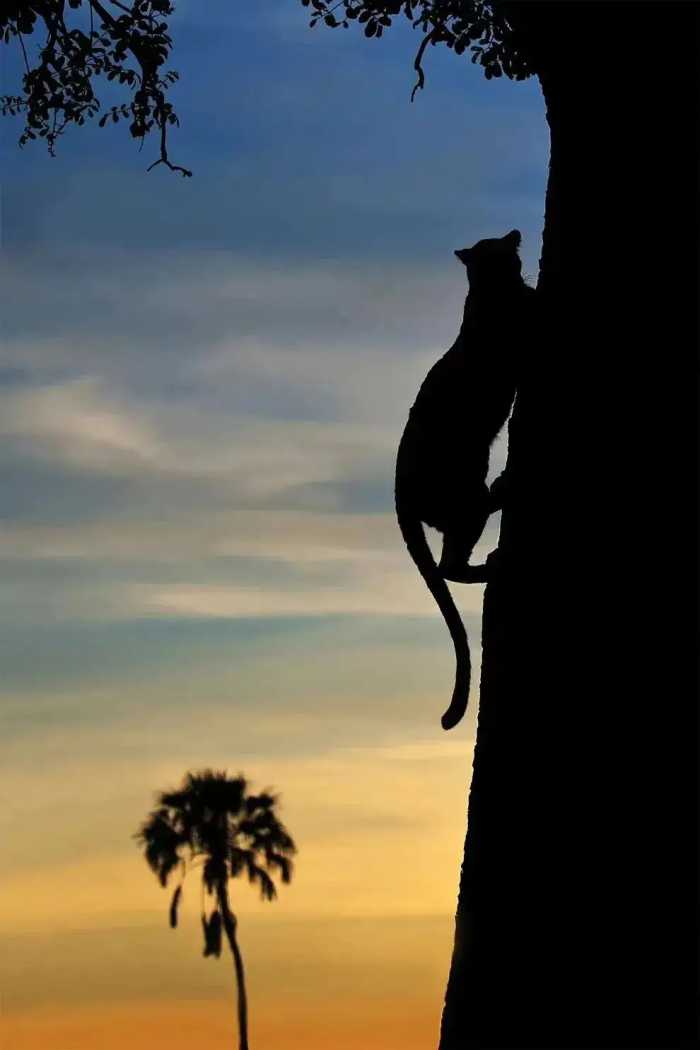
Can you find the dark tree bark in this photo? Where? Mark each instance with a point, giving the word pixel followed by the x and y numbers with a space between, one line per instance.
pixel 577 914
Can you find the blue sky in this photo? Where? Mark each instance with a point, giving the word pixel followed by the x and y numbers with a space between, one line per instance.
pixel 250 339
pixel 202 386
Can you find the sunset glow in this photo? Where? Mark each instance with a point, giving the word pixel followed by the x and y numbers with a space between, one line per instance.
pixel 202 386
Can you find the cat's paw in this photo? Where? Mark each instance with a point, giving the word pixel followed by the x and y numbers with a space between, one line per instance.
pixel 462 572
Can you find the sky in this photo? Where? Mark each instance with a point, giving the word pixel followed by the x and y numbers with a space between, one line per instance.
pixel 202 386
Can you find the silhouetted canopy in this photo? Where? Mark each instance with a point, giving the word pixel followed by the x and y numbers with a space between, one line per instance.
pixel 128 43
pixel 212 819
pixel 90 39
pixel 481 26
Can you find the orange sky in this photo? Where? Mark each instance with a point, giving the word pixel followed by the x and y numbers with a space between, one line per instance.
pixel 402 1023
pixel 358 946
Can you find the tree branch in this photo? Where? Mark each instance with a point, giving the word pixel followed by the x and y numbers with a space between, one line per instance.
pixel 163 159
pixel 427 39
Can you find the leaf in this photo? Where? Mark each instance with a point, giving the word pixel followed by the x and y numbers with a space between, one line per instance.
pixel 173 906
pixel 215 926
pixel 212 934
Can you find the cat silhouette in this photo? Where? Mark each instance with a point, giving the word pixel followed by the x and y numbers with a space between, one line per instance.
pixel 443 456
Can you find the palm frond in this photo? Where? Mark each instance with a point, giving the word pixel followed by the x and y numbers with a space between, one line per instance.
pixel 268 890
pixel 209 818
pixel 238 860
pixel 212 934
pixel 174 905
pixel 284 864
pixel 281 839
pixel 265 801
pixel 214 872
pixel 173 799
pixel 265 833
pixel 215 790
pixel 162 844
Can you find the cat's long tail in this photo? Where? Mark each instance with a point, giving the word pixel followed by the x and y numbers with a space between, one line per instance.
pixel 414 538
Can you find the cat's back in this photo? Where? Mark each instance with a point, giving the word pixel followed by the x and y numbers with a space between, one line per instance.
pixel 443 379
pixel 478 360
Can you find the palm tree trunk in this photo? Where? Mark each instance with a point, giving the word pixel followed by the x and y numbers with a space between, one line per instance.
pixel 230 923
pixel 575 917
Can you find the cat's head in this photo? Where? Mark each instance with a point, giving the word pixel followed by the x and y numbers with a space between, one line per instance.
pixel 493 262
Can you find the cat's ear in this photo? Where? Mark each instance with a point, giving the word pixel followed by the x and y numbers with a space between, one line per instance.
pixel 463 254
pixel 512 239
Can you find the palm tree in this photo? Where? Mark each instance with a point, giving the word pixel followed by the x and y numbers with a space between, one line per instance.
pixel 210 822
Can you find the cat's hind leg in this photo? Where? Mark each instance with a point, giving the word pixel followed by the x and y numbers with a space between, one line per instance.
pixel 461 534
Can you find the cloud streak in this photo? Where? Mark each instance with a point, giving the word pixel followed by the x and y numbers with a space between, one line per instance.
pixel 258 482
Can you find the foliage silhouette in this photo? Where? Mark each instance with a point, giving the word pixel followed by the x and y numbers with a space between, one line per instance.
pixel 213 823
pixel 125 43
pixel 482 26
pixel 129 42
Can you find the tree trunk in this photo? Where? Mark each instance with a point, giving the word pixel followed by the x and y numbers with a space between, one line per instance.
pixel 230 923
pixel 578 899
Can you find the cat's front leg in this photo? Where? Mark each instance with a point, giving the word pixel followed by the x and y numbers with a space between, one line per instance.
pixel 454 562
pixel 498 492
pixel 462 534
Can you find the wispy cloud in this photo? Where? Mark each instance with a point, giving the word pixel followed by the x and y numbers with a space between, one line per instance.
pixel 246 473
pixel 76 422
